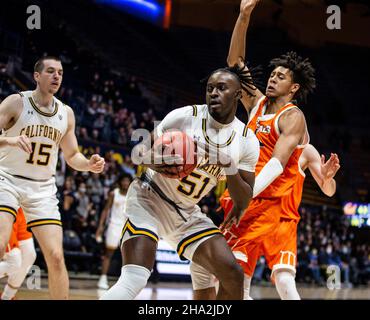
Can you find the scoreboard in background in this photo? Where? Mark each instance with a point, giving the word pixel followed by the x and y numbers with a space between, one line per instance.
pixel 157 12
pixel 357 213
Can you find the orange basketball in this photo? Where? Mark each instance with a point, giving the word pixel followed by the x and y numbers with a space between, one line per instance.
pixel 178 142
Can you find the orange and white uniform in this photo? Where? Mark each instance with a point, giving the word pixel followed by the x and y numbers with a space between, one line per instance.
pixel 262 217
pixel 19 232
pixel 284 240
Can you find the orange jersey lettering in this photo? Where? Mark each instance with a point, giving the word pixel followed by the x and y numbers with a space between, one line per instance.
pixel 266 129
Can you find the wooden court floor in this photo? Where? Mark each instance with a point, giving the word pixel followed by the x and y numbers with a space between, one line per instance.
pixel 85 289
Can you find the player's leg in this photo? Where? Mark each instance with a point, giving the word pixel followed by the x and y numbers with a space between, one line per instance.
pixel 103 280
pixel 15 280
pixel 6 225
pixel 10 263
pixel 8 213
pixel 285 285
pixel 138 242
pixel 50 239
pixel 280 252
pixel 214 255
pixel 138 256
pixel 112 238
pixel 204 283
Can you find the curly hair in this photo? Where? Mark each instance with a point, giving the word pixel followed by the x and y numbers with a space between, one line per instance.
pixel 302 72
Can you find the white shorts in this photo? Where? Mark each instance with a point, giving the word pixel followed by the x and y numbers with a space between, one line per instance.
pixel 201 278
pixel 113 235
pixel 148 214
pixel 37 199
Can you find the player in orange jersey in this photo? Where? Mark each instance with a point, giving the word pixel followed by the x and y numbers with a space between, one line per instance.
pixel 281 247
pixel 282 244
pixel 281 129
pixel 19 258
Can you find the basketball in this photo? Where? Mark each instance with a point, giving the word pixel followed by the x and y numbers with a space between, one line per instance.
pixel 178 142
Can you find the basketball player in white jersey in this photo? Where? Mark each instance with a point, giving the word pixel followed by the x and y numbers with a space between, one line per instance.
pixel 114 206
pixel 35 124
pixel 161 207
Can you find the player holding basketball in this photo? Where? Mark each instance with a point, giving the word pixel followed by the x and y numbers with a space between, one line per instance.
pixel 161 207
pixel 19 259
pixel 114 206
pixel 281 129
pixel 35 124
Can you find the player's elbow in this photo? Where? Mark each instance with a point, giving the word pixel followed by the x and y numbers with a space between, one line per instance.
pixel 329 193
pixel 229 61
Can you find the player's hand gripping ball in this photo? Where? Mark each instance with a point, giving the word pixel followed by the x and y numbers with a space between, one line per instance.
pixel 173 143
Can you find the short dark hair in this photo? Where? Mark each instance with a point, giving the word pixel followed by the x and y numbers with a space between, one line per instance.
pixel 39 65
pixel 302 72
pixel 123 176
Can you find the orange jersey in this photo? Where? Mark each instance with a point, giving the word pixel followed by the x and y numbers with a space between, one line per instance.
pixel 291 202
pixel 19 232
pixel 267 131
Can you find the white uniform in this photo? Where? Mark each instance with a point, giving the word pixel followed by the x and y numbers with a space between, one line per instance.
pixel 28 180
pixel 116 220
pixel 178 219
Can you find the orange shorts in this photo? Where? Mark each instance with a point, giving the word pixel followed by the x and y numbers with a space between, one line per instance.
pixel 259 221
pixel 19 232
pixel 280 248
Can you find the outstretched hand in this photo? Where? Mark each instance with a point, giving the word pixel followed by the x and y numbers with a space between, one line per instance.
pixel 233 218
pixel 330 167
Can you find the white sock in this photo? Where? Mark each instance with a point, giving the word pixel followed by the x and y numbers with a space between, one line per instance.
pixel 28 252
pixel 247 287
pixel 8 293
pixel 103 277
pixel 285 285
pixel 132 280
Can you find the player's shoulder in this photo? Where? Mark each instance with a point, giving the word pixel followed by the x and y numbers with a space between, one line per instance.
pixel 241 128
pixel 63 105
pixel 293 113
pixel 190 110
pixel 13 100
pixel 195 110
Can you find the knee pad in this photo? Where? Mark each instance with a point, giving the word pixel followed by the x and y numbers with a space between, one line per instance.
pixel 132 280
pixel 285 285
pixel 27 248
pixel 14 259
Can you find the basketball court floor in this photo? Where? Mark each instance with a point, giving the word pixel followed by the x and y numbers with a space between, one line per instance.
pixel 85 289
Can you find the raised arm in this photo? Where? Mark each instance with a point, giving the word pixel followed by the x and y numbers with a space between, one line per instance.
pixel 73 156
pixel 322 171
pixel 237 47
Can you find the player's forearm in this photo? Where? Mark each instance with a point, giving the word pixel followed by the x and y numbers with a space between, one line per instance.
pixel 238 40
pixel 240 191
pixel 4 141
pixel 78 162
pixel 272 169
pixel 329 187
pixel 103 218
